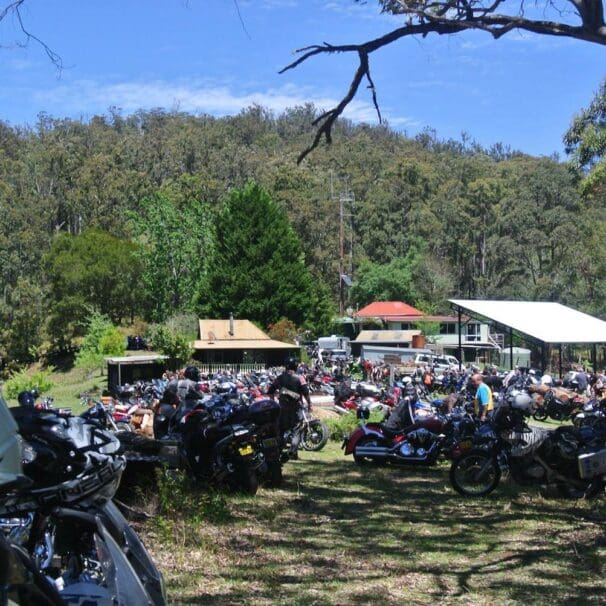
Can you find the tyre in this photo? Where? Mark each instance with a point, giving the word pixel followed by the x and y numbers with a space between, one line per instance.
pixel 316 436
pixel 540 414
pixel 568 491
pixel 273 477
pixel 369 441
pixel 123 426
pixel 248 482
pixel 475 474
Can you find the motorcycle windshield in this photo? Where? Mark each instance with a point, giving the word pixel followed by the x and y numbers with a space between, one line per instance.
pixel 121 578
pixel 121 530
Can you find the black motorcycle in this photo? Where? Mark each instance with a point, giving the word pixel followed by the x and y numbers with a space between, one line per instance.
pixel 217 443
pixel 574 460
pixel 64 519
pixel 558 409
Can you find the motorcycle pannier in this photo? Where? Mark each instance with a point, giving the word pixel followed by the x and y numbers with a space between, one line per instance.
pixel 592 464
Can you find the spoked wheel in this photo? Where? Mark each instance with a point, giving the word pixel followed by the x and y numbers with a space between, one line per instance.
pixel 476 474
pixel 366 442
pixel 315 437
pixel 123 426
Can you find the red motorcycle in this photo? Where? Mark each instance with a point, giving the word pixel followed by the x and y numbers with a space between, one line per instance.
pixel 419 442
pixel 372 400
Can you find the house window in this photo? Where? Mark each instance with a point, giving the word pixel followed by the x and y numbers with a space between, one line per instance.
pixel 448 328
pixel 473 332
pixel 406 326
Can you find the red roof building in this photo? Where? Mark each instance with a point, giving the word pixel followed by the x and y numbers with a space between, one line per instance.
pixel 387 310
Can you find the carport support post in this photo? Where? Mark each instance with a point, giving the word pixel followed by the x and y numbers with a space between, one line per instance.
pixel 511 349
pixel 460 341
pixel 560 357
pixel 594 358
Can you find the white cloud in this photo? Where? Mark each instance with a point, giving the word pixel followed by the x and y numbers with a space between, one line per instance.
pixel 88 97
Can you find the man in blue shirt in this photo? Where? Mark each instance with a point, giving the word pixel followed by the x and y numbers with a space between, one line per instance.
pixel 483 400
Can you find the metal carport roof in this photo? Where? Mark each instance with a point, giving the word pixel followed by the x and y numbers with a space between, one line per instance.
pixel 545 321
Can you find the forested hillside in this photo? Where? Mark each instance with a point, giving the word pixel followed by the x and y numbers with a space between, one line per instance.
pixel 118 213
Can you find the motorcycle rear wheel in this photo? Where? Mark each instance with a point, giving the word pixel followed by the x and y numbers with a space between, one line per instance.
pixel 475 474
pixel 248 482
pixel 540 414
pixel 123 426
pixel 315 437
pixel 369 441
pixel 273 477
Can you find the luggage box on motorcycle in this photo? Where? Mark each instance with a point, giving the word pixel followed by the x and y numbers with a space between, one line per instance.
pixel 592 464
pixel 264 411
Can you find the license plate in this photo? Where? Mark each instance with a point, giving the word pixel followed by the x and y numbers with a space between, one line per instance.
pixel 465 445
pixel 270 443
pixel 245 450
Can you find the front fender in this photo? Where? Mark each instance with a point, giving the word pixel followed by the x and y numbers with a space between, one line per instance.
pixel 361 432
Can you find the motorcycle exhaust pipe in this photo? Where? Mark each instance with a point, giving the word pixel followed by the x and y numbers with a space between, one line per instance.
pixel 372 451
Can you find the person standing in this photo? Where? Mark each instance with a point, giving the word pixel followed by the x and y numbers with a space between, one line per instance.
pixel 483 398
pixel 292 390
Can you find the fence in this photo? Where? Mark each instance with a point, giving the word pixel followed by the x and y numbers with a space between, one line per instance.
pixel 237 368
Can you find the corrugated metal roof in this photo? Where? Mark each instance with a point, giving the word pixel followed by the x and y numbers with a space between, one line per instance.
pixel 244 344
pixel 218 330
pixel 386 336
pixel 545 321
pixel 136 359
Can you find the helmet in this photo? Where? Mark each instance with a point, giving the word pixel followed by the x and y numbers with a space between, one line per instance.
pixel 520 400
pixel 547 380
pixel 410 391
pixel 192 373
pixel 27 398
pixel 291 363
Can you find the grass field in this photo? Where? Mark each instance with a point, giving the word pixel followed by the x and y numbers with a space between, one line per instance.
pixel 339 534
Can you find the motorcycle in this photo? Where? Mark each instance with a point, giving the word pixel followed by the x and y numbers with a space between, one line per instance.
pixel 217 440
pixel 106 417
pixel 574 460
pixel 60 513
pixel 420 442
pixel 557 408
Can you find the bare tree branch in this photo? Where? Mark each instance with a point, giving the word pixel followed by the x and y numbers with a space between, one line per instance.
pixel 14 8
pixel 442 17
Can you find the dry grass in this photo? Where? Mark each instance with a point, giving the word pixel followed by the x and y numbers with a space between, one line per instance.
pixel 339 534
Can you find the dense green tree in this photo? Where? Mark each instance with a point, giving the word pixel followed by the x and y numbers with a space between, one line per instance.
pixel 384 282
pixel 586 143
pixel 94 270
pixel 258 270
pixel 174 234
pixel 22 317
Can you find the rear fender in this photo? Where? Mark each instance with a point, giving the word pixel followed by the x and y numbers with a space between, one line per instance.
pixel 358 434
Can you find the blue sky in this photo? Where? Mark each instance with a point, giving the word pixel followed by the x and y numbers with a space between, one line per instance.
pixel 195 55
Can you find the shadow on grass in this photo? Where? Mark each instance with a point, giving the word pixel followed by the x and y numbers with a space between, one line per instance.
pixel 336 533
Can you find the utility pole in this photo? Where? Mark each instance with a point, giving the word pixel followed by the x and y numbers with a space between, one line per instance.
pixel 346 197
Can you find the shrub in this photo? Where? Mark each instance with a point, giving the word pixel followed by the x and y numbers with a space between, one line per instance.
pixel 23 381
pixel 344 425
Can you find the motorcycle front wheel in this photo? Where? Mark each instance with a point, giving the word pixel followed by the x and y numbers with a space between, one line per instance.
pixel 475 474
pixel 315 436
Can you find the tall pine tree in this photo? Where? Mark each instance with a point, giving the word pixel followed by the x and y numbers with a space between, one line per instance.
pixel 258 271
